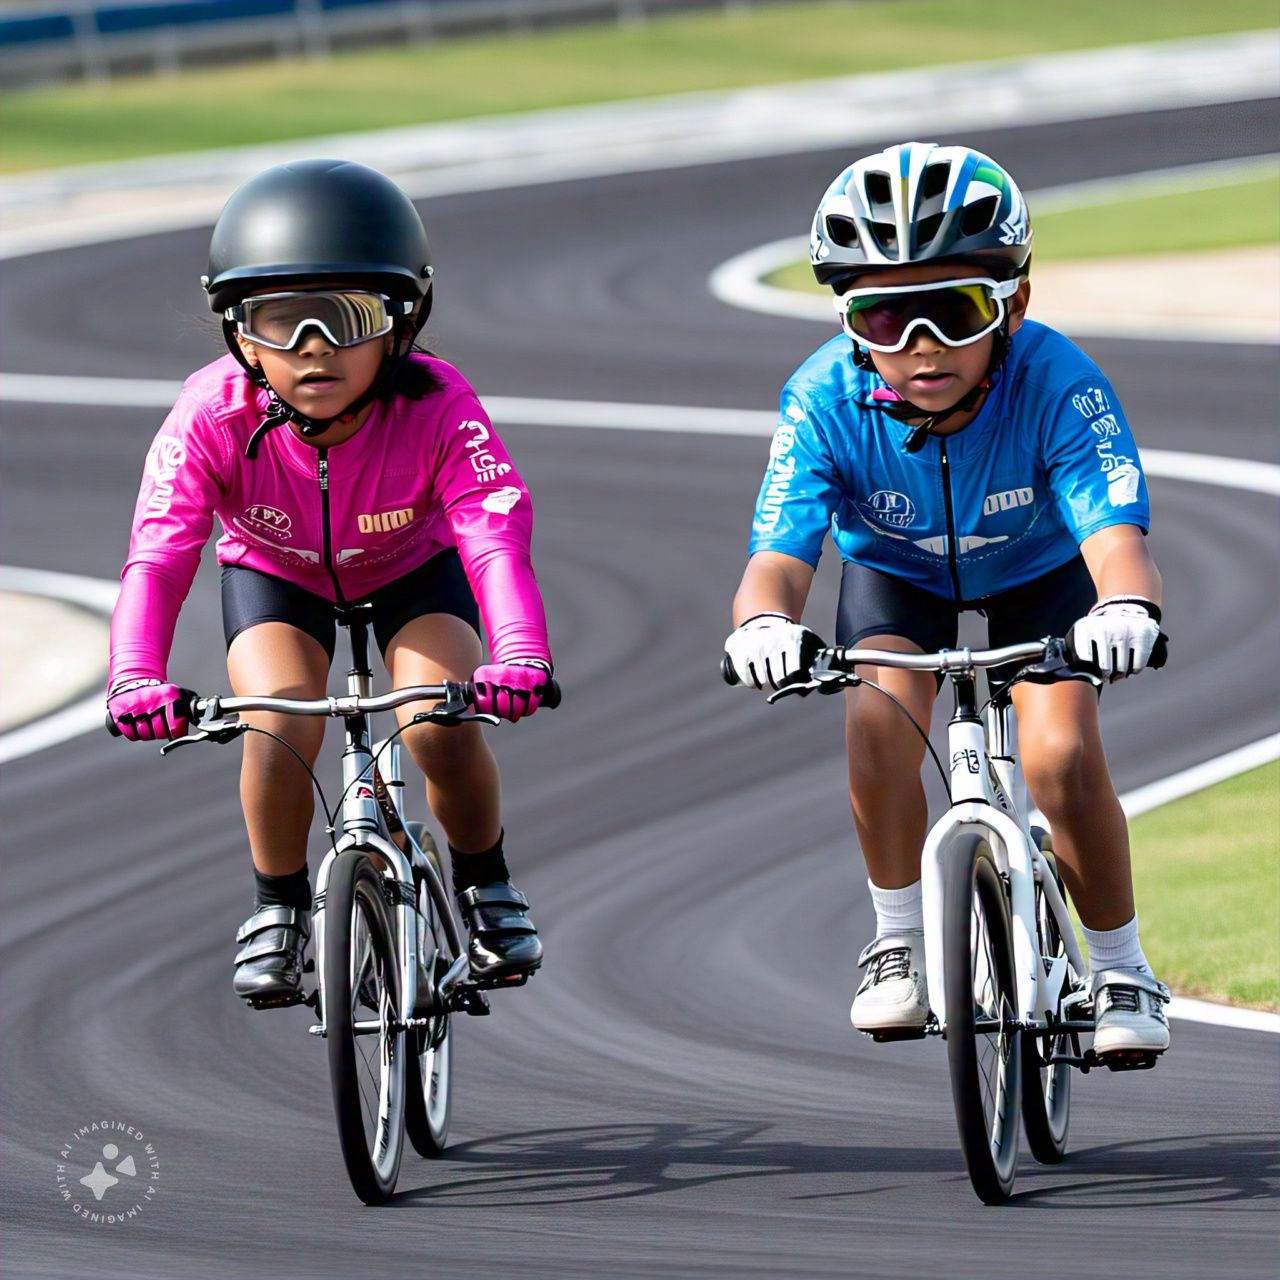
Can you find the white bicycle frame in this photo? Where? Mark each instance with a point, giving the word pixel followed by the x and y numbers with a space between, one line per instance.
pixel 988 799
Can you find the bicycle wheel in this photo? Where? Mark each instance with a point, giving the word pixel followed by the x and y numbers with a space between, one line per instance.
pixel 983 1049
pixel 1046 1089
pixel 361 1003
pixel 429 1093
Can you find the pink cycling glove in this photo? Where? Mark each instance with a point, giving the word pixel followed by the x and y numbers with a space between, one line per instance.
pixel 511 689
pixel 148 710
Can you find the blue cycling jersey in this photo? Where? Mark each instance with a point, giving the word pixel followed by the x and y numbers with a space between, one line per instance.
pixel 1048 460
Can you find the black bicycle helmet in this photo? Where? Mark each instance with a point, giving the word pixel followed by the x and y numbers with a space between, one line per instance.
pixel 313 222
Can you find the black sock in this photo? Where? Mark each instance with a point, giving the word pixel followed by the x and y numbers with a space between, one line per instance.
pixel 470 869
pixel 293 890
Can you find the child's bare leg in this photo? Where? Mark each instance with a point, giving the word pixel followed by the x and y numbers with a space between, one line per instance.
pixel 274 659
pixel 1066 770
pixel 885 755
pixel 463 786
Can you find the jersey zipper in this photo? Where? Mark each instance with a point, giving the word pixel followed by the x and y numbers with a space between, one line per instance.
pixel 952 563
pixel 322 472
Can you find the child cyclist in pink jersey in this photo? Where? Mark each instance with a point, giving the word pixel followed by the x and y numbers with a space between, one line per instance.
pixel 961 458
pixel 343 467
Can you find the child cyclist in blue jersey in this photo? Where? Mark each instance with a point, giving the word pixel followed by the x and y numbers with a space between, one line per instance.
pixel 962 457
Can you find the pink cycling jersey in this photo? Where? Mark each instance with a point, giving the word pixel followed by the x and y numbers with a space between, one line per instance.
pixel 418 477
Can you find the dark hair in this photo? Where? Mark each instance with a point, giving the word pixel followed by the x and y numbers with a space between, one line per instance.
pixel 413 379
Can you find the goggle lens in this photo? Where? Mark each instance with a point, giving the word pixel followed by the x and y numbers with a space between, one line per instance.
pixel 279 320
pixel 958 311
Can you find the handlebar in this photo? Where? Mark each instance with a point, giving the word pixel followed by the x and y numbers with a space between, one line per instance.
pixel 836 659
pixel 455 696
pixel 833 668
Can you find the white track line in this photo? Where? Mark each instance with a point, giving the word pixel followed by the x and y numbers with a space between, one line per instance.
pixel 739 281
pixel 93 594
pixel 1169 464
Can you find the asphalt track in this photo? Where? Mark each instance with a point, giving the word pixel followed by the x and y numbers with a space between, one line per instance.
pixel 679 1092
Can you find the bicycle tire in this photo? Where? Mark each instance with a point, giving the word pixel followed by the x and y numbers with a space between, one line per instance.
pixel 978 960
pixel 361 977
pixel 429 1067
pixel 1046 1090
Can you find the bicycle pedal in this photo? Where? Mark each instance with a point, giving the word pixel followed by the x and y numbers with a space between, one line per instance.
pixel 281 1002
pixel 504 980
pixel 890 1035
pixel 1129 1059
pixel 471 1000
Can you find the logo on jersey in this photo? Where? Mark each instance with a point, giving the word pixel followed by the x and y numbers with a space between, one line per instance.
pixel 166 457
pixel 1009 500
pixel 501 502
pixel 1124 477
pixel 483 462
pixel 780 474
pixel 1091 402
pixel 890 508
pixel 385 521
pixel 270 520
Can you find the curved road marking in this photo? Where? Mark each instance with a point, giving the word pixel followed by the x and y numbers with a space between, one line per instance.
pixel 80 717
pixel 738 283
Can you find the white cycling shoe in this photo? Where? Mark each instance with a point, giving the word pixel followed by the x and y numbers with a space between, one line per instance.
pixel 894 996
pixel 1128 1007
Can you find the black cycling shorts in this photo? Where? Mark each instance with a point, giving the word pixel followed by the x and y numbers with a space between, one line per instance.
pixel 873 603
pixel 438 586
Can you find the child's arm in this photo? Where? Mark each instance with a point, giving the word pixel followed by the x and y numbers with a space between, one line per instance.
pixel 491 514
pixel 772 583
pixel 768 646
pixel 1120 563
pixel 1119 633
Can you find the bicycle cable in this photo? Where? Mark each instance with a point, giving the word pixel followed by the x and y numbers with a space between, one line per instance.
pixel 915 724
pixel 315 782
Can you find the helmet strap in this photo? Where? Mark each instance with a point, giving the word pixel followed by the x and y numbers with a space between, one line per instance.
pixel 922 422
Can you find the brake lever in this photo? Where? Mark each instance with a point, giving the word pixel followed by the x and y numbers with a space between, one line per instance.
pixel 213 731
pixel 454 713
pixel 800 690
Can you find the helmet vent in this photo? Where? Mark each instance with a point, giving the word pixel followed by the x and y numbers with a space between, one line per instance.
pixel 842 231
pixel 878 189
pixel 886 235
pixel 934 181
pixel 927 228
pixel 979 215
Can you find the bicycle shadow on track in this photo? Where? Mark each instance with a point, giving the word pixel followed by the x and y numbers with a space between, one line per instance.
pixel 1159 1173
pixel 622 1161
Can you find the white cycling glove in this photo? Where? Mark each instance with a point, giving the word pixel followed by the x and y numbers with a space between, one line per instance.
pixel 770 650
pixel 1117 635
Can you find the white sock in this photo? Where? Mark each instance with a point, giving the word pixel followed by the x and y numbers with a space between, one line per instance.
pixel 1115 948
pixel 897 909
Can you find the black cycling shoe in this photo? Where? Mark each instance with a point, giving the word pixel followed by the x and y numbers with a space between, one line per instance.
pixel 504 948
pixel 269 966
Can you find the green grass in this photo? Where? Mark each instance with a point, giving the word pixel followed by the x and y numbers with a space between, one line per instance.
pixel 1241 213
pixel 1207 877
pixel 493 74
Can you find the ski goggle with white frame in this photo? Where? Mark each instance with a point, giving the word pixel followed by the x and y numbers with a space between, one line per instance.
pixel 347 317
pixel 959 312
